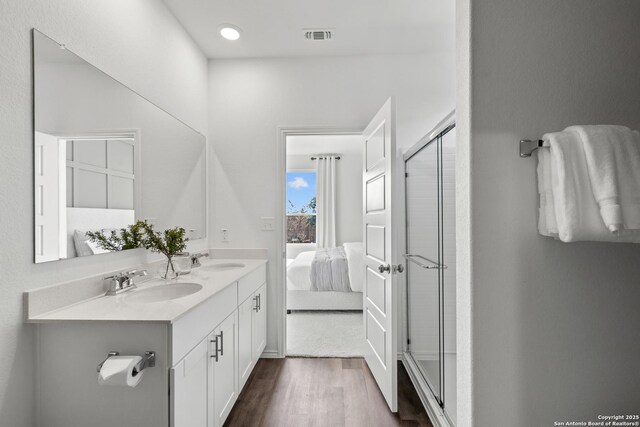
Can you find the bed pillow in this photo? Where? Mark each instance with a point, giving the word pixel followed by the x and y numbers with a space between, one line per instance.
pixel 84 246
pixel 355 260
pixel 80 240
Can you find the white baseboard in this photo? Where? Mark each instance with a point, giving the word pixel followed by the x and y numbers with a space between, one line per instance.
pixel 270 354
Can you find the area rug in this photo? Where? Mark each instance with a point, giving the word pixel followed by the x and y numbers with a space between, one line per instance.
pixel 325 334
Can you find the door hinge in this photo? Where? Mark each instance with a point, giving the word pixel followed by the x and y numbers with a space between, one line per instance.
pixel 408 341
pixel 406 174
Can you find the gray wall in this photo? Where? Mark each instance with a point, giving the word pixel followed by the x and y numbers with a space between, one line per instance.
pixel 555 326
pixel 140 44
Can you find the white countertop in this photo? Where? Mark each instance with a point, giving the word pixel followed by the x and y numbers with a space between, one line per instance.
pixel 120 309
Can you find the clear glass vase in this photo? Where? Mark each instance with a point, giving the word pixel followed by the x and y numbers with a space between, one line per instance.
pixel 167 269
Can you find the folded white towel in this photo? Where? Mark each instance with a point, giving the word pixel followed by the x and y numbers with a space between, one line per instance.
pixel 613 163
pixel 576 210
pixel 547 224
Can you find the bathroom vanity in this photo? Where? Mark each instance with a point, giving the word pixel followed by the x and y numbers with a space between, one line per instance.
pixel 104 159
pixel 207 330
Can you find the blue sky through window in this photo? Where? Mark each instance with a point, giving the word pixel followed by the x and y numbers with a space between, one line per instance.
pixel 301 188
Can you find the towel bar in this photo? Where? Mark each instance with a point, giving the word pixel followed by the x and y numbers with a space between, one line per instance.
pixel 433 265
pixel 528 146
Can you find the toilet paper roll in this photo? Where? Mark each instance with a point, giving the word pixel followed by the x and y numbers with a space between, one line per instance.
pixel 118 371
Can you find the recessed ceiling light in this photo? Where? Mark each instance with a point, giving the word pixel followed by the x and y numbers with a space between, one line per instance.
pixel 229 32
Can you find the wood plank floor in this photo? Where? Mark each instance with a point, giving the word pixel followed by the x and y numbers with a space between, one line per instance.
pixel 332 392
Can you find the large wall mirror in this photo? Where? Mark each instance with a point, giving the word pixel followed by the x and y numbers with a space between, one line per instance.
pixel 105 157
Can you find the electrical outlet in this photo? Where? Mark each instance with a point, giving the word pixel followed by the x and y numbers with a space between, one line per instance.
pixel 268 223
pixel 224 232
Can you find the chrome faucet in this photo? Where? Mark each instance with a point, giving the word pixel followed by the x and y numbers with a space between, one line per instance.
pixel 122 281
pixel 195 259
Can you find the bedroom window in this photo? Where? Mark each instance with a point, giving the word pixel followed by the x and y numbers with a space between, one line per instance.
pixel 301 207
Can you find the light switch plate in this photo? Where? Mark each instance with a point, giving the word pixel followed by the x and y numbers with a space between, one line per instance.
pixel 224 234
pixel 268 223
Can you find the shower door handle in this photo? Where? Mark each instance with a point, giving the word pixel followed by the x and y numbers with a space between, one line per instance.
pixel 425 263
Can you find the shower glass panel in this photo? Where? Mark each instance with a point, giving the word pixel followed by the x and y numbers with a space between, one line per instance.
pixel 422 246
pixel 431 266
pixel 448 275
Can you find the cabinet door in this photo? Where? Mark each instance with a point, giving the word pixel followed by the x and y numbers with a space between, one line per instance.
pixel 245 340
pixel 260 323
pixel 225 368
pixel 189 385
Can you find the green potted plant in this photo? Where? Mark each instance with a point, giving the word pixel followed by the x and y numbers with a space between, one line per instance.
pixel 170 242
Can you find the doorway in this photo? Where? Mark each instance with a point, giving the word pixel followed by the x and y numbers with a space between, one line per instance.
pixel 323 224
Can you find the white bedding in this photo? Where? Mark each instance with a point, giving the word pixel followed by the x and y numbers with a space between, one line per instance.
pixel 298 272
pixel 299 269
pixel 355 259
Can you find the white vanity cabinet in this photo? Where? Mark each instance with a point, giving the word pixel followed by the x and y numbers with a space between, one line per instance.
pixel 204 356
pixel 204 383
pixel 224 362
pixel 233 346
pixel 252 323
pixel 190 383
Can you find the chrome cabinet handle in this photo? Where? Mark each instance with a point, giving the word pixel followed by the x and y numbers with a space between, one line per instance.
pixel 382 268
pixel 221 343
pixel 219 346
pixel 259 302
pixel 424 262
pixel 215 351
pixel 257 307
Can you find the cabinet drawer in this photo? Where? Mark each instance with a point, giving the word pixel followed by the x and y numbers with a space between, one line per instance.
pixel 189 330
pixel 252 281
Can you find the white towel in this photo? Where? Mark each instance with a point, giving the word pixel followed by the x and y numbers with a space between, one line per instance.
pixel 547 225
pixel 613 163
pixel 576 210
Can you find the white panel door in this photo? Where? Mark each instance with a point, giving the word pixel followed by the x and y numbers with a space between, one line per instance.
pixel 47 198
pixel 379 290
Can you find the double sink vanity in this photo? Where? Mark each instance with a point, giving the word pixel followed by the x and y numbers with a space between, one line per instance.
pixel 207 330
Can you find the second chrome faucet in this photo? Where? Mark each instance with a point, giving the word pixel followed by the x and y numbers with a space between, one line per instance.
pixel 123 281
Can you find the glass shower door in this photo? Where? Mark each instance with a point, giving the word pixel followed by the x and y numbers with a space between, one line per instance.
pixel 431 266
pixel 423 251
pixel 448 275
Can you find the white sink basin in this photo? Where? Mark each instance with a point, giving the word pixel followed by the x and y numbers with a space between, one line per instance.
pixel 163 292
pixel 224 266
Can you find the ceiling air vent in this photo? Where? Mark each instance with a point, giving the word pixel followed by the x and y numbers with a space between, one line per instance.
pixel 318 35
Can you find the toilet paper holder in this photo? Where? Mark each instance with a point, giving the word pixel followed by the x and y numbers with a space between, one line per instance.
pixel 148 361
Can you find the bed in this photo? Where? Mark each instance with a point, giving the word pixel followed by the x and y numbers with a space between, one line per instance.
pixel 300 289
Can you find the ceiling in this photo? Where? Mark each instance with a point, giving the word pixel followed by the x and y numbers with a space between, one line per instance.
pixel 274 28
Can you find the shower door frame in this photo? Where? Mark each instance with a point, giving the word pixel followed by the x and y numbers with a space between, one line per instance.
pixel 423 146
pixel 433 404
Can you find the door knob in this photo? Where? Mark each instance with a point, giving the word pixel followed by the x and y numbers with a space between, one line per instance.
pixel 398 268
pixel 382 268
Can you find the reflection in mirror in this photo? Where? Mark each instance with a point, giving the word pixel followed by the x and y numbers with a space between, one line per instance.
pixel 105 157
